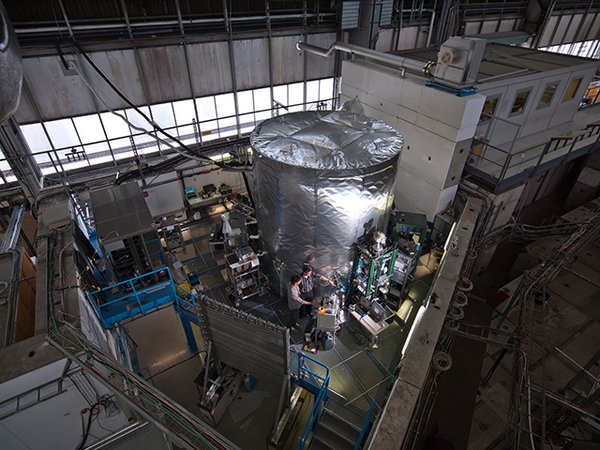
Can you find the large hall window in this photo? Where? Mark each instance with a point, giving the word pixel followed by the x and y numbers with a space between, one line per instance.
pixel 105 137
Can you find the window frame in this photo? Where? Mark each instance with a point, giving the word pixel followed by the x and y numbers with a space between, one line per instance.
pixel 496 97
pixel 527 90
pixel 579 79
pixel 556 83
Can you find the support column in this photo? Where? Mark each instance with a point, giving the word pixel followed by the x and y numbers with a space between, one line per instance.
pixel 189 334
pixel 20 159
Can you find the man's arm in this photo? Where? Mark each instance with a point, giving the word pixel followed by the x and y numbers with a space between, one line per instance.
pixel 324 278
pixel 295 293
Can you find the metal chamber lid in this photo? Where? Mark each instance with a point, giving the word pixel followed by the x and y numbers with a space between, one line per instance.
pixel 336 140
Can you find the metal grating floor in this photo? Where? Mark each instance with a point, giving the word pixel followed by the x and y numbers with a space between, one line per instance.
pixel 359 374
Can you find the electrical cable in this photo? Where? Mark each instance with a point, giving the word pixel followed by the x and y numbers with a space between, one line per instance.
pixel 138 128
pixel 88 426
pixel 69 345
pixel 139 111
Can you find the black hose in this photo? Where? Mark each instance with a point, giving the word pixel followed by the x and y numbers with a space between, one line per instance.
pixel 130 103
pixel 88 426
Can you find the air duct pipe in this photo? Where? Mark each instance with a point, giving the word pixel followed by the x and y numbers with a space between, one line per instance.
pixel 400 62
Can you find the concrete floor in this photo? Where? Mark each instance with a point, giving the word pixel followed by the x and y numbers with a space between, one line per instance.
pixel 359 374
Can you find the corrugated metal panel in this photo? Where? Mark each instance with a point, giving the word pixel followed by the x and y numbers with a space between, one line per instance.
pixel 574 24
pixel 56 95
pixel 120 212
pixel 507 25
pixel 251 63
pixel 387 7
pixel 165 73
pixel 586 32
pixel 317 66
pixel 246 342
pixel 472 28
pixel 120 66
pixel 547 33
pixel 350 15
pixel 489 26
pixel 561 29
pixel 595 29
pixel 210 68
pixel 287 60
pixel 25 112
pixel 384 41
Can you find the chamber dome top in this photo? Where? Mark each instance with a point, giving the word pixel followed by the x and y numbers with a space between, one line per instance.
pixel 326 140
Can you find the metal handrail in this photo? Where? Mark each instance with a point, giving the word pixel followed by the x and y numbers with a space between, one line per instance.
pixel 319 398
pixel 136 296
pixel 544 150
pixel 365 426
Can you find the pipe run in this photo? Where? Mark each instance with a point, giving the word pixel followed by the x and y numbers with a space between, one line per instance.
pixel 400 62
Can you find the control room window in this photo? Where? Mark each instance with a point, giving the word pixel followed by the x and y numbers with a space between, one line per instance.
pixel 572 89
pixel 520 101
pixel 489 108
pixel 548 95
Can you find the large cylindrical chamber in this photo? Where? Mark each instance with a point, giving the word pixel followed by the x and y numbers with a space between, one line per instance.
pixel 322 180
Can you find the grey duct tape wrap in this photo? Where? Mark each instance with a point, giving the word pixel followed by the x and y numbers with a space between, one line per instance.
pixel 322 180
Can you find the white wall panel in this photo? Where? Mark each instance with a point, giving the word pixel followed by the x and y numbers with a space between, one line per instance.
pixel 317 66
pixel 471 28
pixel 251 63
pixel 121 67
pixel 432 158
pixel 489 26
pixel 588 23
pixel 572 29
pixel 56 95
pixel 25 112
pixel 507 25
pixel 561 29
pixel 165 73
pixel 566 110
pixel 547 32
pixel 210 68
pixel 595 29
pixel 384 41
pixel 288 63
pixel 166 198
pixel 408 37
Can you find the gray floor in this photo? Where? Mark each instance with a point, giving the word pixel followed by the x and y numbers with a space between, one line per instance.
pixel 359 374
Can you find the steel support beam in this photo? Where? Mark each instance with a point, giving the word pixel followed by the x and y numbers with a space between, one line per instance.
pixel 229 29
pixel 20 159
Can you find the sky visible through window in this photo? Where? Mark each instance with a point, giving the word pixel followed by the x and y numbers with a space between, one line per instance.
pixel 71 143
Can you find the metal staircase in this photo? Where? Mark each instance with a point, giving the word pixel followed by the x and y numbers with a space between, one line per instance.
pixel 337 430
pixel 330 424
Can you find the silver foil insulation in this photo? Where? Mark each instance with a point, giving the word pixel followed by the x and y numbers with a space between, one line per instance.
pixel 322 180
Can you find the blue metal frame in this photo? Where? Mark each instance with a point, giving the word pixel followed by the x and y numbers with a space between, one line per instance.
pixel 138 301
pixel 460 92
pixel 187 317
pixel 365 426
pixel 320 391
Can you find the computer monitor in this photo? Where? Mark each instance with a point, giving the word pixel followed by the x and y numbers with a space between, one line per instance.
pixel 377 311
